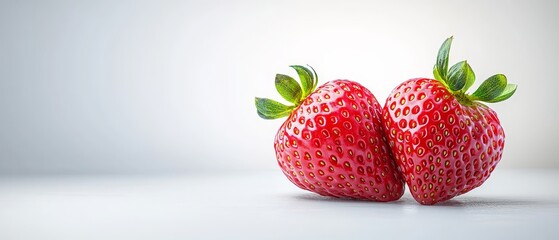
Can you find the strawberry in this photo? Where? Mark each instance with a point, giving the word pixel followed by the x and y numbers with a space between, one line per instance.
pixel 332 142
pixel 444 140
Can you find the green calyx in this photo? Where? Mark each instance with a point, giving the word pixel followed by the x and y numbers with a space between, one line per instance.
pixel 290 90
pixel 460 77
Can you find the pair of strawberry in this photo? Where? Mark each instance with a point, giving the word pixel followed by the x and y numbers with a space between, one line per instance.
pixel 338 141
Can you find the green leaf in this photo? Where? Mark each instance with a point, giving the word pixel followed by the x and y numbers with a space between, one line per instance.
pixel 470 79
pixel 307 79
pixel 458 75
pixel 442 58
pixel 490 88
pixel 436 74
pixel 270 109
pixel 510 89
pixel 288 88
pixel 315 82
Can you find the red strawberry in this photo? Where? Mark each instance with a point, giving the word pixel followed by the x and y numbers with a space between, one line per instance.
pixel 332 142
pixel 445 141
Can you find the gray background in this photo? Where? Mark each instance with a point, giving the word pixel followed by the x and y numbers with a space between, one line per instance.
pixel 110 87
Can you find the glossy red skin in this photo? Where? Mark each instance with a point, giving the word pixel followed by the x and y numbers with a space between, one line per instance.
pixel 333 145
pixel 442 148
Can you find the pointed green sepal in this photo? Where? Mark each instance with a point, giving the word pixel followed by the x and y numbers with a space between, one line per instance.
pixel 458 75
pixel 315 82
pixel 307 79
pixel 270 109
pixel 510 89
pixel 288 88
pixel 490 88
pixel 436 74
pixel 442 60
pixel 470 79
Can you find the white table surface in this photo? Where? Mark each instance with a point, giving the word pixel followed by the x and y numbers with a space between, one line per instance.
pixel 512 204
